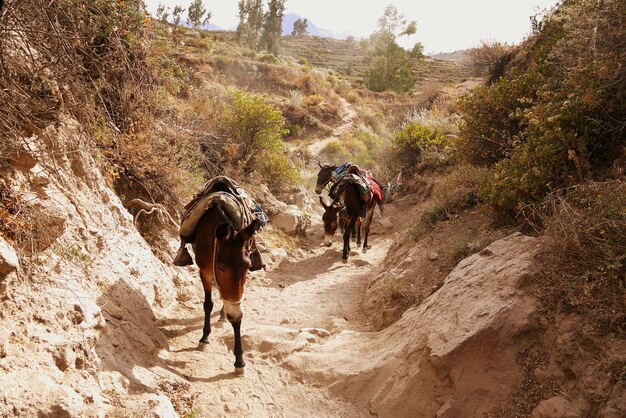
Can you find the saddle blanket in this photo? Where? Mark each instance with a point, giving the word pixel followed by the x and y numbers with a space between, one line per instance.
pixel 237 205
pixel 347 172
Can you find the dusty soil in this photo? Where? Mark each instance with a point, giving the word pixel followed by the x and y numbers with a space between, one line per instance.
pixel 295 308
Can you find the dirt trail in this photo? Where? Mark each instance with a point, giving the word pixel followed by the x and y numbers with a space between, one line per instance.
pixel 347 123
pixel 293 308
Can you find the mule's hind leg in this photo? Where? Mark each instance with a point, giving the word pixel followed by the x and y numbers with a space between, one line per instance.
pixel 366 226
pixel 208 306
pixel 346 237
pixel 357 227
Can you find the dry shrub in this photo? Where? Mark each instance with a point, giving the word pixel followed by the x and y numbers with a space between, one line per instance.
pixel 353 97
pixel 461 188
pixel 484 58
pixel 429 94
pixel 66 57
pixel 313 100
pixel 584 255
pixel 401 291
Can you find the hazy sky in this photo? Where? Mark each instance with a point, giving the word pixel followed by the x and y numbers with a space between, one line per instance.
pixel 442 25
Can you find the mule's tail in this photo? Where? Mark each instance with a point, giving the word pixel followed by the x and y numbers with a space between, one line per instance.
pixel 381 208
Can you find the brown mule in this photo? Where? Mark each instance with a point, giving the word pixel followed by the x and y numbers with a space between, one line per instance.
pixel 223 254
pixel 354 205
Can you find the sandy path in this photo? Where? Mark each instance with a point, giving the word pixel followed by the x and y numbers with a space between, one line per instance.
pixel 318 293
pixel 296 307
pixel 347 123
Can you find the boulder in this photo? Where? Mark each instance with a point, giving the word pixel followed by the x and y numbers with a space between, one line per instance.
pixel 455 354
pixel 289 220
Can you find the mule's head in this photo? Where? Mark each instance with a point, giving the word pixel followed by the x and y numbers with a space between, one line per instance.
pixel 330 219
pixel 232 261
pixel 324 176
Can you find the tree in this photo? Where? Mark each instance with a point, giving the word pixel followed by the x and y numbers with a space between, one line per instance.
pixel 196 13
pixel 273 26
pixel 417 51
pixel 250 22
pixel 300 27
pixel 162 13
pixel 177 13
pixel 389 63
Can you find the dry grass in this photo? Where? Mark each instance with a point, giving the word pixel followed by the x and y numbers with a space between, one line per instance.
pixel 401 291
pixel 456 192
pixel 584 256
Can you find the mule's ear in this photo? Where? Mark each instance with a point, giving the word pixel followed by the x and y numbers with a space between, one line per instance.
pixel 223 232
pixel 323 202
pixel 247 233
pixel 320 164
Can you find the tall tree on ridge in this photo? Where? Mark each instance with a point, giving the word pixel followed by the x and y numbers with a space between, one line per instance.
pixel 272 26
pixel 196 12
pixel 250 22
pixel 390 67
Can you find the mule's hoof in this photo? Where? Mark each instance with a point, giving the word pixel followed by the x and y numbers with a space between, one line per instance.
pixel 344 260
pixel 203 346
pixel 240 371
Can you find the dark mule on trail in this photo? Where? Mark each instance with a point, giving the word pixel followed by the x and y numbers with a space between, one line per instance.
pixel 223 248
pixel 348 206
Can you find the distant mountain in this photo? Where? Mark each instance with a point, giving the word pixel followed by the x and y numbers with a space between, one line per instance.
pixel 210 26
pixel 313 29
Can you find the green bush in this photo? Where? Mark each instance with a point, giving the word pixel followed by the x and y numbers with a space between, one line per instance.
pixel 557 118
pixel 494 118
pixel 361 147
pixel 415 143
pixel 256 129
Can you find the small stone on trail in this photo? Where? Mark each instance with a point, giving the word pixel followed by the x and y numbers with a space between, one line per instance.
pixel 433 256
pixel 320 332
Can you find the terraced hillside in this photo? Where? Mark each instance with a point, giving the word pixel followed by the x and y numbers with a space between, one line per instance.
pixel 349 57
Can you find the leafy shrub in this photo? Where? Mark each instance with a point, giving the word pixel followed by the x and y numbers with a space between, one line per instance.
pixel 256 129
pixel 360 147
pixel 557 118
pixel 493 118
pixel 415 144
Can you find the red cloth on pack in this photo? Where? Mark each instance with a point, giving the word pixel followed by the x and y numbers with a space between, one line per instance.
pixel 376 191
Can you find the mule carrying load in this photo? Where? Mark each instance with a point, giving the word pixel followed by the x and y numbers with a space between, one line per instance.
pixel 355 194
pixel 350 173
pixel 221 221
pixel 235 202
